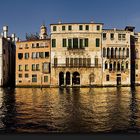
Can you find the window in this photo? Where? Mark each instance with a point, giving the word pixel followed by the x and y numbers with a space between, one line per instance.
pixel 84 62
pixel 46 54
pixel 106 65
pixel 81 43
pixel 34 55
pixel 26 75
pixel 20 55
pixel 63 28
pixel 80 62
pixel 96 62
pixel 69 27
pixel 97 42
pixel 37 67
pixel 26 68
pixel 53 43
pixel 55 62
pixel 88 62
pixel 26 55
pixel 64 43
pixel 46 67
pixel 54 28
pixel 80 27
pixel 71 62
pixel 75 43
pixel 20 75
pixel 45 79
pixel 37 45
pixel 33 67
pixel 107 78
pixel 70 43
pixel 34 78
pixel 98 27
pixel 19 67
pixel 33 45
pixel 112 36
pixel 127 66
pixel 136 66
pixel 104 52
pixel 86 42
pixel 104 36
pixel 67 62
pixel 26 45
pixel 87 27
pixel 37 55
pixel 41 54
pixel 127 53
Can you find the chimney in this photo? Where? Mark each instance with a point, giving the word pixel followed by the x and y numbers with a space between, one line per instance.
pixel 5 31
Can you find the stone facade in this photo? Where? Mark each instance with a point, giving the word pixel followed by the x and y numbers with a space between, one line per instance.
pixel 7 58
pixel 116 55
pixel 33 61
pixel 76 54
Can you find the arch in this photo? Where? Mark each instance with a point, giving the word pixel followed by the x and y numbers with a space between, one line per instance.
pixel 122 66
pixel 68 78
pixel 136 54
pixel 92 78
pixel 127 65
pixel 110 66
pixel 104 52
pixel 108 52
pixel 106 65
pixel 114 66
pixel 127 52
pixel 116 50
pixel 61 78
pixel 112 52
pixel 119 52
pixel 76 78
pixel 123 52
pixel 118 66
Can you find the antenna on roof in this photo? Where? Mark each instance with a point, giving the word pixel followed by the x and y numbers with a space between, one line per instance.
pixel 92 21
pixel 59 21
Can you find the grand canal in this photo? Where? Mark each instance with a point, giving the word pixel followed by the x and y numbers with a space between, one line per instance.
pixel 74 110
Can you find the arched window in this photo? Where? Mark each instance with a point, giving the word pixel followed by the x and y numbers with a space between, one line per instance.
pixel 112 52
pixel 123 52
pixel 122 66
pixel 104 52
pixel 118 66
pixel 119 52
pixel 106 65
pixel 127 65
pixel 108 52
pixel 127 53
pixel 116 52
pixel 136 54
pixel 114 66
pixel 110 66
pixel 92 78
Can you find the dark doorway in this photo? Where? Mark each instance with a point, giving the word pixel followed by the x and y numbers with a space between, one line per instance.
pixel 68 78
pixel 76 78
pixel 118 81
pixel 61 78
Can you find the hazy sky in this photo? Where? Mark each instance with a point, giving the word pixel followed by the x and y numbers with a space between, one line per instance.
pixel 25 16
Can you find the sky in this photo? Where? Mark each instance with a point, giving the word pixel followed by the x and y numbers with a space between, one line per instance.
pixel 26 16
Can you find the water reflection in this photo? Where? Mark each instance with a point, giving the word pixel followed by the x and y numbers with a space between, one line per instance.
pixel 74 110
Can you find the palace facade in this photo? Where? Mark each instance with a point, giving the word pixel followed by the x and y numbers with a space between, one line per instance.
pixel 79 54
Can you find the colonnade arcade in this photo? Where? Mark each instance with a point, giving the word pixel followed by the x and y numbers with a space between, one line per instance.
pixel 116 65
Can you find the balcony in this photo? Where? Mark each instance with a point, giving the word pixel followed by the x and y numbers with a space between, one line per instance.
pixel 117 57
pixel 76 48
pixel 76 66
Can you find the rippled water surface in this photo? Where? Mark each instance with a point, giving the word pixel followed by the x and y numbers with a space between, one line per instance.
pixel 77 110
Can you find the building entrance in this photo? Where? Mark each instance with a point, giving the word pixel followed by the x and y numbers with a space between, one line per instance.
pixel 76 78
pixel 118 81
pixel 61 78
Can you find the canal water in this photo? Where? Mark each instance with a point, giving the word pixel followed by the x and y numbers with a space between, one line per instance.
pixel 72 110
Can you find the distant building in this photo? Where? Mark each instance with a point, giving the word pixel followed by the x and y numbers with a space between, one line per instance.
pixel 116 55
pixel 7 58
pixel 76 54
pixel 33 61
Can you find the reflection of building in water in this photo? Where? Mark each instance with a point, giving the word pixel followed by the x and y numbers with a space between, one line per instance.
pixel 33 60
pixel 76 54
